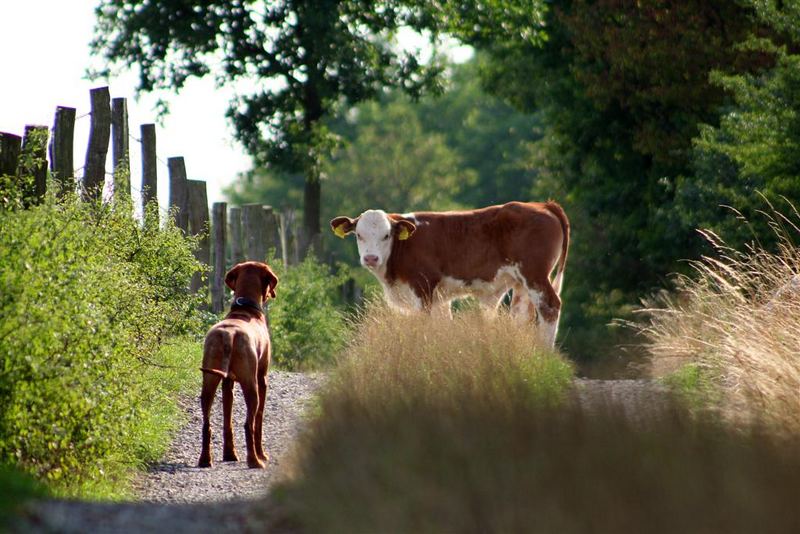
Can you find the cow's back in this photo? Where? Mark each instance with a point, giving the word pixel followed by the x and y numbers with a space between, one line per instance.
pixel 474 244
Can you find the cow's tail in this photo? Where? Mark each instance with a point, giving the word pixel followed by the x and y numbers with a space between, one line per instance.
pixel 558 211
pixel 211 365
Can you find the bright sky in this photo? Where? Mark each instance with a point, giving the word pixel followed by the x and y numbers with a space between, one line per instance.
pixel 45 47
pixel 45 55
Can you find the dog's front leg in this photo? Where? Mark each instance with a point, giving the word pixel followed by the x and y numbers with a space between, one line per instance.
pixel 228 447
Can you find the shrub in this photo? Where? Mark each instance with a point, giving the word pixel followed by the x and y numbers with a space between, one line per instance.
pixel 87 295
pixel 307 323
pixel 737 323
pixel 15 488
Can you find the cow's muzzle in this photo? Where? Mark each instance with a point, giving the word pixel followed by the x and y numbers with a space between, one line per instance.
pixel 370 260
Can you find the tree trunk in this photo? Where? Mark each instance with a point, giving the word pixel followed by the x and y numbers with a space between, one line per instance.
pixel 311 215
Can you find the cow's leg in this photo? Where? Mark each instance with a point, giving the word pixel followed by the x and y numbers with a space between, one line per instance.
pixel 228 448
pixel 491 301
pixel 548 311
pixel 522 308
pixel 210 383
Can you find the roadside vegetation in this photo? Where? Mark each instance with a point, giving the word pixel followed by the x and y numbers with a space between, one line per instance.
pixel 464 426
pixel 730 334
pixel 90 303
pixel 308 318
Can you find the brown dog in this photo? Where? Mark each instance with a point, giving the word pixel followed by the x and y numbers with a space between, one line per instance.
pixel 237 349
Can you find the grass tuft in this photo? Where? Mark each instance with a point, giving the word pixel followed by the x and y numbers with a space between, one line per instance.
pixel 736 323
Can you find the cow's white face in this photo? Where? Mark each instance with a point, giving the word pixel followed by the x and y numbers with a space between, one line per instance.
pixel 374 238
pixel 375 233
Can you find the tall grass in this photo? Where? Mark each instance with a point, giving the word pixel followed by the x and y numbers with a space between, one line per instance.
pixel 416 358
pixel 735 327
pixel 416 399
pixel 444 426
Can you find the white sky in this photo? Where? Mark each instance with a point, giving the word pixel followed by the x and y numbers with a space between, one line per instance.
pixel 45 46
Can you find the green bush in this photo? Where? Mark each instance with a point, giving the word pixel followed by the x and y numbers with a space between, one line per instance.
pixel 87 294
pixel 307 323
pixel 15 488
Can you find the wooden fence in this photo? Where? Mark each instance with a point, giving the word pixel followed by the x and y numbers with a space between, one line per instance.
pixel 227 236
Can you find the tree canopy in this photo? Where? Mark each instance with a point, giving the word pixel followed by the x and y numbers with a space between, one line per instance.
pixel 309 57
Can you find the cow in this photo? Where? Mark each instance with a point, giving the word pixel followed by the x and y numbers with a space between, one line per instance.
pixel 425 260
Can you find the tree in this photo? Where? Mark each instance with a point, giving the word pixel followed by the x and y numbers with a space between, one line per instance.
pixel 621 89
pixel 310 56
pixel 391 162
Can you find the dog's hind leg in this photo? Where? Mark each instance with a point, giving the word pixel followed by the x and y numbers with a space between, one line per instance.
pixel 250 391
pixel 228 448
pixel 259 422
pixel 210 383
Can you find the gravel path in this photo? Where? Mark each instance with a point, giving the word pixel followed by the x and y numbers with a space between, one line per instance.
pixel 178 498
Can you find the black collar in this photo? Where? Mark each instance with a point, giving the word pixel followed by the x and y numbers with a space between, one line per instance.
pixel 246 303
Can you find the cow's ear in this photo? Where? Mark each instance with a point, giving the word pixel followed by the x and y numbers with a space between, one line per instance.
pixel 404 229
pixel 342 226
pixel 230 276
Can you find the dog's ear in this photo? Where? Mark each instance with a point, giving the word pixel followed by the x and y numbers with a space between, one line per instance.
pixel 270 281
pixel 230 277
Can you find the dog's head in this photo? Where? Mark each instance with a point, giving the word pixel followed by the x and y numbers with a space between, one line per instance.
pixel 252 277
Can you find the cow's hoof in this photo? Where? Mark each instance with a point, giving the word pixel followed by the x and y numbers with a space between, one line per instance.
pixel 204 462
pixel 230 456
pixel 255 463
pixel 264 457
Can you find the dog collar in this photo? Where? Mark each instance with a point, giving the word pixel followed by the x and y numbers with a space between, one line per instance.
pixel 247 303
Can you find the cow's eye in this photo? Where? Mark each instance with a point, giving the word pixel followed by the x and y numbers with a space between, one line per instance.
pixel 358 236
pixel 386 237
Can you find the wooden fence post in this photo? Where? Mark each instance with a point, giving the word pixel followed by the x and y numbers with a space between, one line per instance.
pixel 120 148
pixel 94 172
pixel 198 226
pixel 33 161
pixel 149 167
pixel 62 150
pixel 253 223
pixel 235 223
pixel 178 195
pixel 287 236
pixel 271 238
pixel 218 228
pixel 10 147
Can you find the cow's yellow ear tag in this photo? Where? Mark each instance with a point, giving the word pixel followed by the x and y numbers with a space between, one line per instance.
pixel 339 230
pixel 404 234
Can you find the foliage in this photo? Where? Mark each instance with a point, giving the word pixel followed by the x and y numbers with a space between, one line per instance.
pixel 15 488
pixel 392 163
pixel 309 57
pixel 307 324
pixel 86 297
pixel 472 434
pixel 752 153
pixel 737 320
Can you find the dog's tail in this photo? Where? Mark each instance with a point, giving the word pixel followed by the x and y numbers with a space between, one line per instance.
pixel 217 353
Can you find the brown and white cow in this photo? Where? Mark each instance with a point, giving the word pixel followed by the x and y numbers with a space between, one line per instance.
pixel 425 260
